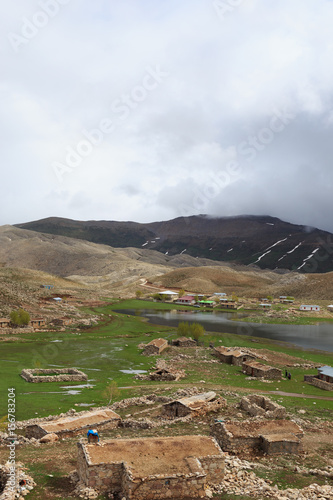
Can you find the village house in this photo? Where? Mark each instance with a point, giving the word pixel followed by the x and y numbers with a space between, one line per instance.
pixel 270 437
pixel 324 379
pixel 265 305
pixel 48 287
pixel 198 404
pixel 4 323
pixel 151 468
pixel 330 307
pixel 37 322
pixel 285 300
pixel 233 355
pixel 77 424
pixel 154 347
pixel 168 295
pixel 206 303
pixel 256 369
pixel 186 299
pixel 228 304
pixel 184 342
pixel 309 308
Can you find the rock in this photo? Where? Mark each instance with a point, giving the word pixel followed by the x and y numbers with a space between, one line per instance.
pixel 49 438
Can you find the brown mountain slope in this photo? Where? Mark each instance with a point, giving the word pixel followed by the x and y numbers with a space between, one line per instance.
pixel 249 283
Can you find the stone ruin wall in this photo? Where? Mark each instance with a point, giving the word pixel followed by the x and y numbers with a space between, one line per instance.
pixel 101 477
pixel 178 486
pixel 117 478
pixel 268 443
pixel 317 382
pixel 37 431
pixel 257 405
pixel 178 410
pixel 283 445
pixel 231 444
pixel 61 375
pixel 271 374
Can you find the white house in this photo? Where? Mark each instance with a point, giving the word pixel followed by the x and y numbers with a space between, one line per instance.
pixel 330 307
pixel 309 308
pixel 168 294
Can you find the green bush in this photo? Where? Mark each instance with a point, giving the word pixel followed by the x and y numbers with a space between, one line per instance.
pixel 20 317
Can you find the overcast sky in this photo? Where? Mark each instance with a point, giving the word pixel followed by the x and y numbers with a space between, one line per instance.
pixel 148 110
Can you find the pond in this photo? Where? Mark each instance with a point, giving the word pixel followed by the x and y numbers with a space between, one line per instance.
pixel 306 336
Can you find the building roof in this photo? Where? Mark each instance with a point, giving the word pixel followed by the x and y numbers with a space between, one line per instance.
pixel 4 320
pixel 326 370
pixel 168 292
pixel 308 305
pixel 232 351
pixel 151 456
pixel 197 400
pixel 79 421
pixel 259 366
pixel 186 297
pixel 157 342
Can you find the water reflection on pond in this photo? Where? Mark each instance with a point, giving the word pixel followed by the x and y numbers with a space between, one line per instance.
pixel 306 336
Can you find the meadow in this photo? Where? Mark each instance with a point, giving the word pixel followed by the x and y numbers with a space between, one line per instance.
pixel 108 350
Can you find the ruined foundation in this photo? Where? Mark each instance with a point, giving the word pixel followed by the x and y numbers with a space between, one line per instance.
pixel 257 405
pixel 53 375
pixel 71 426
pixel 280 436
pixel 152 468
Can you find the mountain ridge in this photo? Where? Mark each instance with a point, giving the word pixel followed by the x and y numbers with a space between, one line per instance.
pixel 264 241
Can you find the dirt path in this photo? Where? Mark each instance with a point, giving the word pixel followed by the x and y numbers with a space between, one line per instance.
pixel 234 389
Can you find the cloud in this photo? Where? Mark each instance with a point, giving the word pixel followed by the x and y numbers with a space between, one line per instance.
pixel 190 98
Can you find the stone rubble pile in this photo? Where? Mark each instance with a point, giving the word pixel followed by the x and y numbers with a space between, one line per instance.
pixel 240 480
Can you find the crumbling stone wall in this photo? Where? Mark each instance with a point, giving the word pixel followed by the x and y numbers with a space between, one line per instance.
pixel 119 477
pixel 259 370
pixel 257 405
pixel 56 375
pixel 161 488
pixel 184 342
pixel 176 409
pixel 155 347
pixel 277 444
pixel 317 382
pixel 101 477
pixel 282 436
pixel 37 431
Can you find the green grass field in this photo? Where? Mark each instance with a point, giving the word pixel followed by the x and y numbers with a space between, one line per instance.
pixel 104 351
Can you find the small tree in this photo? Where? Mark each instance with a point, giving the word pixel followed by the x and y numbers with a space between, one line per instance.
pixel 269 297
pixel 111 391
pixel 138 294
pixel 183 329
pixel 181 293
pixel 234 297
pixel 20 317
pixel 196 331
